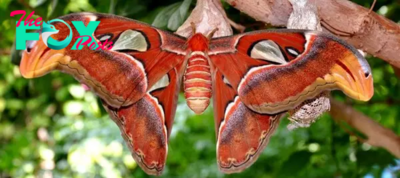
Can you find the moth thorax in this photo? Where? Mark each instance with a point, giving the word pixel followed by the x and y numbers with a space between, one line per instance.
pixel 197 82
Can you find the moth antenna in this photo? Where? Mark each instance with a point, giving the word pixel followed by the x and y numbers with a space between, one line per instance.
pixel 211 34
pixel 193 27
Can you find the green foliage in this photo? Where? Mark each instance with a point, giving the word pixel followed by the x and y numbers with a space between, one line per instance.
pixel 51 125
pixel 172 16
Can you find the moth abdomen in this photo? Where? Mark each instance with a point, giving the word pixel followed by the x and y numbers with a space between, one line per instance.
pixel 197 82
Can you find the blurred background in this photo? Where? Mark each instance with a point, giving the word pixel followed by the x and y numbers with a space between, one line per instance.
pixel 52 127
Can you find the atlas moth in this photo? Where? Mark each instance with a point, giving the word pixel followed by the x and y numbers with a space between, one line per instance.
pixel 253 78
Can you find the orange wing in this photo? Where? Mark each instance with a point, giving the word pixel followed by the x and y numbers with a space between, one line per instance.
pixel 146 124
pixel 242 134
pixel 138 80
pixel 140 56
pixel 258 76
pixel 274 71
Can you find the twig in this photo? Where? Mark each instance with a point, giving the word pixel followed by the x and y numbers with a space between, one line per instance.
pixel 238 27
pixel 334 30
pixel 376 134
pixel 5 52
pixel 372 7
pixel 351 133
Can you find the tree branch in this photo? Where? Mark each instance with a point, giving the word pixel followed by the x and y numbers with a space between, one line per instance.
pixel 358 26
pixel 377 135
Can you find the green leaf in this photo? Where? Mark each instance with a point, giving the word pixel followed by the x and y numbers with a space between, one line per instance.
pixel 161 19
pixel 36 3
pixel 179 16
pixel 52 7
pixel 295 164
pixel 172 16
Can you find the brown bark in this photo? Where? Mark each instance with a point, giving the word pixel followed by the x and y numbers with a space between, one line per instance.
pixel 274 12
pixel 356 24
pixel 377 135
